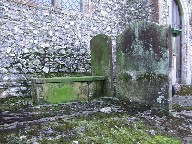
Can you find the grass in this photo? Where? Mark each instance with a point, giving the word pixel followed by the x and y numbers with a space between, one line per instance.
pixel 118 130
pixel 98 128
pixel 94 129
pixel 14 103
pixel 106 129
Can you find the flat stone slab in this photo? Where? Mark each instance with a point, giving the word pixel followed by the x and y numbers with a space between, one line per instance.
pixel 186 114
pixel 68 79
pixel 182 100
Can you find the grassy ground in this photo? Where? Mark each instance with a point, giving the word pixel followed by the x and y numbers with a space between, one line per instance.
pixel 95 129
pixel 117 129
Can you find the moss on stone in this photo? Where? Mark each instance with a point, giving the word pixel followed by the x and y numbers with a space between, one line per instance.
pixel 115 129
pixel 61 94
pixel 185 90
pixel 180 108
pixel 152 76
pixel 142 62
pixel 97 89
pixel 101 60
pixel 125 77
pixel 14 103
pixel 100 54
pixel 64 89
pixel 69 79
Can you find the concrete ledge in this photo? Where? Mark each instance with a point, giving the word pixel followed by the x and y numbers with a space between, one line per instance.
pixel 68 79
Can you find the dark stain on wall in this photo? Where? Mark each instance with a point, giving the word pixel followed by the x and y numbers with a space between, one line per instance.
pixel 127 41
pixel 151 38
pixel 143 62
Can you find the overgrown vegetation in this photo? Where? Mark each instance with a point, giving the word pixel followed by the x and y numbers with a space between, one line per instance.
pixel 14 103
pixel 117 129
pixel 97 128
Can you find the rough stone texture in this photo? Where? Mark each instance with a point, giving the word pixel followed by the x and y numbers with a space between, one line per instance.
pixel 59 90
pixel 156 15
pixel 143 63
pixel 101 60
pixel 43 41
pixel 166 15
pixel 183 100
pixel 183 90
pixel 28 124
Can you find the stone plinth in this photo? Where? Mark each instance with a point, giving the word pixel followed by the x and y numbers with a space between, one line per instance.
pixel 66 89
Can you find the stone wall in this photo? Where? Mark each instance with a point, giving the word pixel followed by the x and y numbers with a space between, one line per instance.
pixel 43 41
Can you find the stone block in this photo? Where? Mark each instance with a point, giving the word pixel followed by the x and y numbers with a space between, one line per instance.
pixel 67 89
pixel 101 60
pixel 143 63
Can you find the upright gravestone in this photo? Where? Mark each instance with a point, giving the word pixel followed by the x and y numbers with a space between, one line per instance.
pixel 144 63
pixel 101 60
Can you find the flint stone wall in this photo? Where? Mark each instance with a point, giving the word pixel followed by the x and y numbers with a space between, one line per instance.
pixel 144 63
pixel 42 41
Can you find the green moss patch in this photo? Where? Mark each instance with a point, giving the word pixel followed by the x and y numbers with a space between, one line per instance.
pixel 101 60
pixel 180 108
pixel 14 103
pixel 117 129
pixel 125 77
pixel 185 90
pixel 100 54
pixel 69 79
pixel 97 128
pixel 66 89
pixel 61 94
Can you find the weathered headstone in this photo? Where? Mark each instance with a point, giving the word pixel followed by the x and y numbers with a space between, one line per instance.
pixel 144 63
pixel 101 60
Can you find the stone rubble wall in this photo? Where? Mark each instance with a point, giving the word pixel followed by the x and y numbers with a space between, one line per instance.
pixel 42 41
